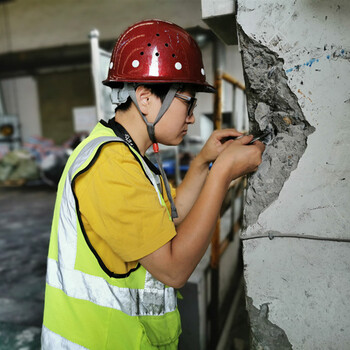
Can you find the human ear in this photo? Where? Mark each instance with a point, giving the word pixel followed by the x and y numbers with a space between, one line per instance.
pixel 143 96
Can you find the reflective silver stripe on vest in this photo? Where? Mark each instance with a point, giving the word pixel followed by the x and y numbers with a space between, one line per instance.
pixel 154 299
pixel 67 226
pixel 53 341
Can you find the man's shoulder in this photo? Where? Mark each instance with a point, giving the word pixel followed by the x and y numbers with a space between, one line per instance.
pixel 117 154
pixel 116 150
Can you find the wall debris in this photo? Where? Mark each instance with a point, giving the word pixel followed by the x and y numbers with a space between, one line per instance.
pixel 264 334
pixel 274 107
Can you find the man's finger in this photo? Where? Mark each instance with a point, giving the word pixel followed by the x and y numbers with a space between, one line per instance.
pixel 260 145
pixel 244 140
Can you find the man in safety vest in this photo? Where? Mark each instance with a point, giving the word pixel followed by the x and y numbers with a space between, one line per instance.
pixel 123 240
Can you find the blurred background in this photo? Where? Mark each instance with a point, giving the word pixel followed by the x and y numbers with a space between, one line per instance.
pixel 53 57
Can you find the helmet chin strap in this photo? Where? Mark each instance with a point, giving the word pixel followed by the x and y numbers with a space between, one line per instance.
pixel 151 132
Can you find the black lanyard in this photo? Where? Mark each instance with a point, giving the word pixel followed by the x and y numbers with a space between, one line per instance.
pixel 121 132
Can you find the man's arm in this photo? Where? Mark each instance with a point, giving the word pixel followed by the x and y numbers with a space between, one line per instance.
pixel 174 262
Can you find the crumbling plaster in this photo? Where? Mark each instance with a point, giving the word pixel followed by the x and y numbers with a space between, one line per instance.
pixel 305 283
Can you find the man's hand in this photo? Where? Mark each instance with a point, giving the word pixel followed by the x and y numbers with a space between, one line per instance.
pixel 215 144
pixel 239 158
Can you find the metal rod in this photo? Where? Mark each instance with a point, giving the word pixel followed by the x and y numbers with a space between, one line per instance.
pixel 215 241
pixel 233 81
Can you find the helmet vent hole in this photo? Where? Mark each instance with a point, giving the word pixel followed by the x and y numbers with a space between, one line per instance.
pixel 141 53
pixel 173 55
pixel 157 34
pixel 166 44
pixel 157 53
pixel 149 44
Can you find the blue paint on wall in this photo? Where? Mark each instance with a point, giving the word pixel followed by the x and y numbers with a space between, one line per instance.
pixel 310 62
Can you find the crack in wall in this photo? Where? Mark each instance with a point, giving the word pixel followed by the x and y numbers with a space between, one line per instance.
pixel 265 335
pixel 271 106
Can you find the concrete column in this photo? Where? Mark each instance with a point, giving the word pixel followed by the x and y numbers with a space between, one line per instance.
pixel 296 62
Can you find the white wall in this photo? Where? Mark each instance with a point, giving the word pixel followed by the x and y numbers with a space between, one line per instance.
pixel 306 283
pixel 21 99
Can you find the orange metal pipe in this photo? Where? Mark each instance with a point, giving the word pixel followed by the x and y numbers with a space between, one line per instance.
pixel 232 81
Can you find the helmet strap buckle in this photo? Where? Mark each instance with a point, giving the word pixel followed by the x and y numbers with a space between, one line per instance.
pixel 155 147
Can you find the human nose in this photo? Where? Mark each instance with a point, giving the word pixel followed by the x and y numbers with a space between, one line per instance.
pixel 190 119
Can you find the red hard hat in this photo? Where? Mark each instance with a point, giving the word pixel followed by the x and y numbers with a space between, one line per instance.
pixel 156 51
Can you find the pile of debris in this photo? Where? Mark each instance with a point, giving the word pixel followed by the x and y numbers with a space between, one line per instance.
pixel 39 161
pixel 17 167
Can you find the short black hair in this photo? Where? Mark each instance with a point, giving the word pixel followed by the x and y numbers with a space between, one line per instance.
pixel 160 90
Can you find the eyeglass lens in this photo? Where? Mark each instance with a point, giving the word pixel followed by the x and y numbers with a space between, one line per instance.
pixel 192 106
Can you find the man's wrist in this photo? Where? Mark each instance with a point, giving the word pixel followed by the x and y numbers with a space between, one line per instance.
pixel 201 162
pixel 222 173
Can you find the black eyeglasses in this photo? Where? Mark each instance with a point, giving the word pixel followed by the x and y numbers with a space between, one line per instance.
pixel 191 101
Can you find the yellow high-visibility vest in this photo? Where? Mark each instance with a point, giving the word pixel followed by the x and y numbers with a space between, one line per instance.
pixel 86 307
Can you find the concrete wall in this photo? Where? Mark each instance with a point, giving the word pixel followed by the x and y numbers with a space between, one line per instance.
pixel 296 61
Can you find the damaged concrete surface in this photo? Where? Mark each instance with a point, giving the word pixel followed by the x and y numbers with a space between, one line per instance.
pixel 272 106
pixel 305 282
pixel 261 326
